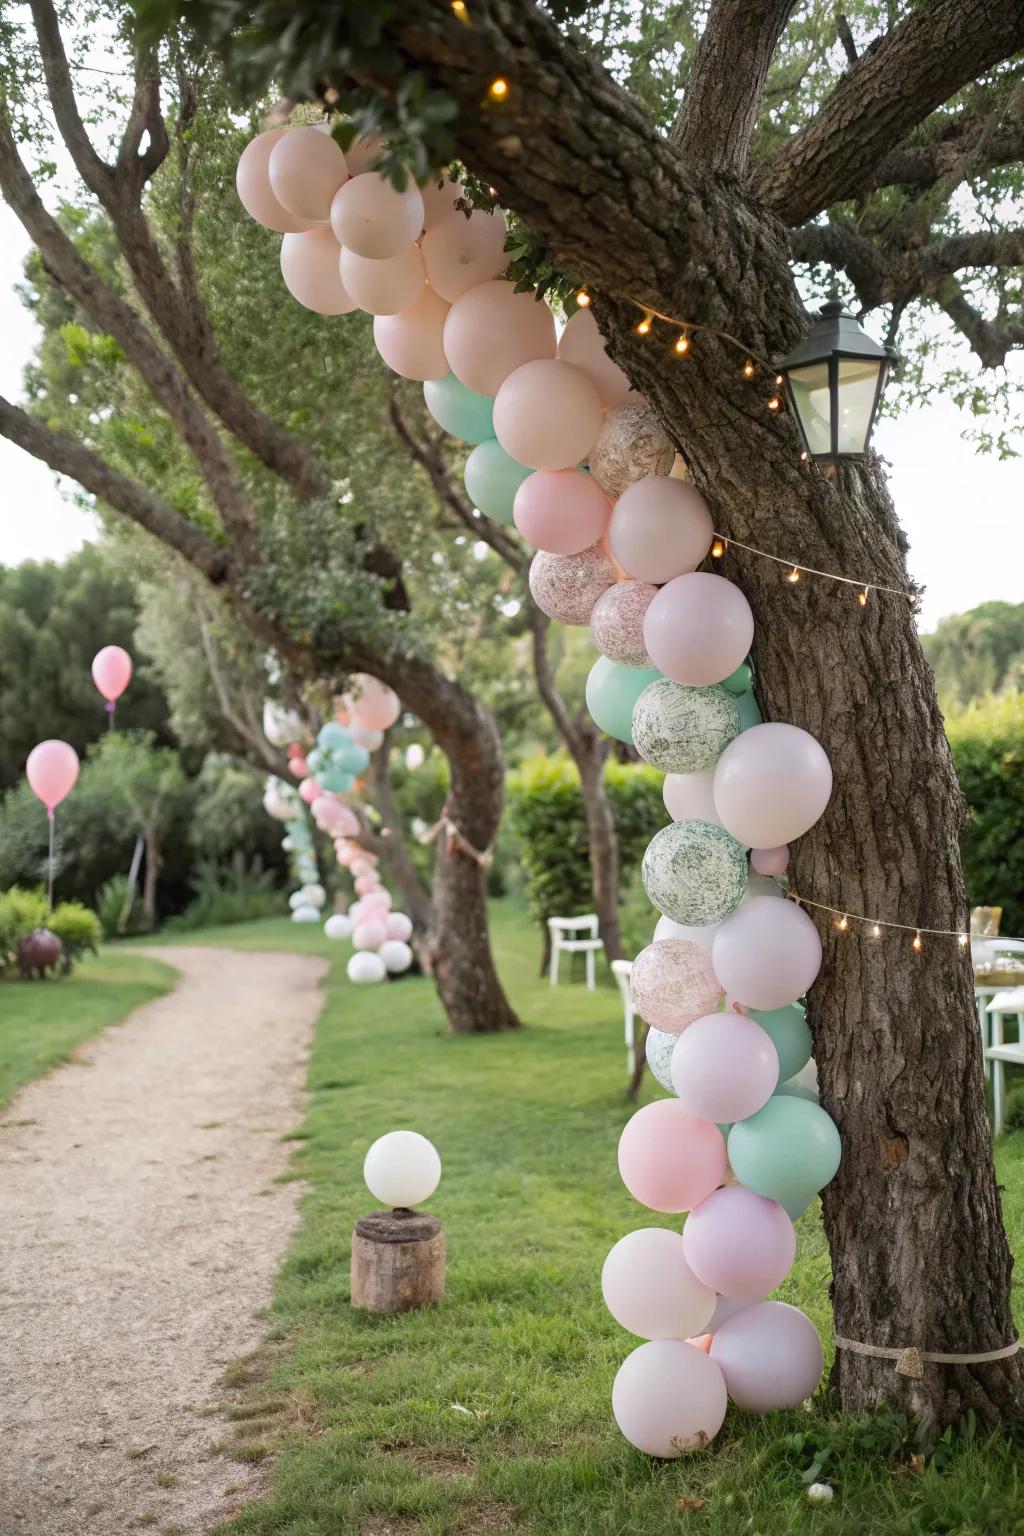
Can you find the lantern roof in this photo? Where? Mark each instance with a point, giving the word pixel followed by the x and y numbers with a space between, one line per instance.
pixel 834 330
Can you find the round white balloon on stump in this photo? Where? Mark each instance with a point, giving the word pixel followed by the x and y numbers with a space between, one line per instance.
pixel 398 1255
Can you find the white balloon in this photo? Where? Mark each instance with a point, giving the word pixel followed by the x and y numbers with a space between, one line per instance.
pixel 315 895
pixel 306 914
pixel 402 1169
pixel 397 956
pixel 338 926
pixel 668 928
pixel 365 967
pixel 650 1289
pixel 669 1398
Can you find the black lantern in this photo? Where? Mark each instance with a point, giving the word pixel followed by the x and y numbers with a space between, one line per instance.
pixel 834 381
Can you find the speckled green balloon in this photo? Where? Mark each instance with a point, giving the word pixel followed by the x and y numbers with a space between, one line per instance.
pixel 695 873
pixel 682 730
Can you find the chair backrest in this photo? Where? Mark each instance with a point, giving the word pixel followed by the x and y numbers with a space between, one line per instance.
pixel 1011 1001
pixel 1007 946
pixel 585 924
pixel 985 922
pixel 621 971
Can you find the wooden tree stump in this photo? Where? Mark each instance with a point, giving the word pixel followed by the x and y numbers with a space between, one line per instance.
pixel 397 1261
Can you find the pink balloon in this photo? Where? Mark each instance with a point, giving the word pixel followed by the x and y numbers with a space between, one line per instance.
pixel 725 1068
pixel 460 252
pixel 369 934
pixel 51 770
pixel 770 1356
pixel 309 266
pixel 253 183
pixel 698 629
pixel 367 883
pixel 399 926
pixel 767 953
pixel 384 286
pixel 690 797
pixel 411 342
pixel 306 167
pixel 582 344
pixel 325 812
pixel 491 330
pixel 660 528
pixel 772 783
pixel 360 156
pixel 566 587
pixel 770 861
pixel 672 984
pixel 373 703
pixel 739 1243
pixel 546 414
pixel 726 1307
pixel 347 822
pixel 617 622
pixel 562 511
pixel 439 202
pixel 298 766
pixel 112 671
pixel 649 1288
pixel 669 1398
pixel 669 1160
pixel 370 217
pixel 309 790
pixel 361 865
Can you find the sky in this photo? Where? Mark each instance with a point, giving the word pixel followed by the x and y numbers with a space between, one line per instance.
pixel 962 510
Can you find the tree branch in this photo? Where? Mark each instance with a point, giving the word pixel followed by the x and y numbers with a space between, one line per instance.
pixel 847 251
pixel 845 34
pixel 991 340
pixel 145 118
pixel 254 742
pixel 922 165
pixel 981 248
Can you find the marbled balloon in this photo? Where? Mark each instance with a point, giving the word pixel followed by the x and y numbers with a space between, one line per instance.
pixel 630 445
pixel 695 873
pixel 673 983
pixel 682 730
pixel 566 587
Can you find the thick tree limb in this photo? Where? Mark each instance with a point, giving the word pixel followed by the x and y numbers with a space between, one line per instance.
pixel 991 340
pixel 922 165
pixel 981 248
pixel 843 248
pixel 895 84
pixel 249 735
pixel 726 80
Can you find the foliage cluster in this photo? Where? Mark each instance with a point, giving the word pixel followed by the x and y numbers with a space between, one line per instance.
pixel 987 740
pixel 977 652
pixel 23 911
pixel 236 892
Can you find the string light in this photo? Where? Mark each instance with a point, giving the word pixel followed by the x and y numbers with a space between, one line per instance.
pixel 843 923
pixel 498 89
pixel 918 944
pixel 583 299
pixel 748 369
pixel 874 925
pixel 718 549
pixel 794 574
pixel 796 570
pixel 683 344
pixel 459 7
pixel 644 326
pixel 774 404
pixel 862 598
pixel 965 939
pixel 876 932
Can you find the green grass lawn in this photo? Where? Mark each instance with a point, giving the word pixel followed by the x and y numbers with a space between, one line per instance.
pixel 492 1413
pixel 42 1022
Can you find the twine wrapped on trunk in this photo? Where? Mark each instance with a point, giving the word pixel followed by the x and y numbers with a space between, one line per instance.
pixel 456 841
pixel 910 1361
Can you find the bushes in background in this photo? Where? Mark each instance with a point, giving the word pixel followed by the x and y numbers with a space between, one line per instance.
pixel 21 912
pixel 987 740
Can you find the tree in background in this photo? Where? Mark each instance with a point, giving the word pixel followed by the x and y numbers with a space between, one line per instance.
pixel 987 739
pixel 978 652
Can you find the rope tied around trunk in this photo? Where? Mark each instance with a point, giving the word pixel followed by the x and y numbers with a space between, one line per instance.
pixel 456 841
pixel 910 1362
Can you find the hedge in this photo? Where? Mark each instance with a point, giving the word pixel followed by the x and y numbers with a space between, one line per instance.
pixel 987 740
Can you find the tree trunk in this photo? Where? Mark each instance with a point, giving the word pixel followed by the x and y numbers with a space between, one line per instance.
pixel 602 838
pixel 151 876
pixel 394 851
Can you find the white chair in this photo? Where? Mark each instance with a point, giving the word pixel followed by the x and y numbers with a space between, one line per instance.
pixel 1003 1006
pixel 985 953
pixel 621 970
pixel 574 936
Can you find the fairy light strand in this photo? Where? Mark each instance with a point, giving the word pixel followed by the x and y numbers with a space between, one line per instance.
pixel 794 570
pixel 844 917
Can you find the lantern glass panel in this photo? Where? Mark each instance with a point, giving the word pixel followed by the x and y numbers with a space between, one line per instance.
pixel 810 392
pixel 858 385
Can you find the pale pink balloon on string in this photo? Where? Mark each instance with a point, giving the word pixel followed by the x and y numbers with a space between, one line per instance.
pixel 112 671
pixel 739 1243
pixel 699 628
pixel 669 1398
pixel 370 217
pixel 306 168
pixel 439 202
pixel 672 984
pixel 369 933
pixel 660 528
pixel 399 926
pixel 491 330
pixel 254 190
pixel 668 1159
pixel 461 252
pixel 373 703
pixel 582 344
pixel 309 790
pixel 772 783
pixel 767 953
pixel 309 266
pixel 770 861
pixel 725 1068
pixel 562 511
pixel 411 342
pixel 546 414
pixel 566 587
pixel 770 1356
pixel 384 286
pixel 51 770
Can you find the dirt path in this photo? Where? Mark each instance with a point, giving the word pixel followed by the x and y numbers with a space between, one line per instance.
pixel 140 1230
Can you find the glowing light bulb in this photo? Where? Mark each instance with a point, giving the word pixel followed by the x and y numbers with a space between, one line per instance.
pixel 774 404
pixel 459 7
pixel 918 943
pixel 583 299
pixel 876 932
pixel 964 940
pixel 843 923
pixel 803 457
pixel 778 379
pixel 498 89
pixel 862 598
pixel 793 575
pixel 683 344
pixel 748 369
pixel 717 550
pixel 644 325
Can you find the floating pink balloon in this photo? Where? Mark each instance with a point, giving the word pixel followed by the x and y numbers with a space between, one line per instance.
pixel 368 933
pixel 582 344
pixel 739 1243
pixel 566 587
pixel 562 511
pixel 546 414
pixel 399 926
pixel 461 252
pixel 669 1160
pixel 309 266
pixel 772 783
pixel 51 770
pixel 411 342
pixel 770 1356
pixel 491 330
pixel 254 191
pixel 672 984
pixel 112 672
pixel 669 1398
pixel 649 1288
pixel 370 217
pixel 724 1068
pixel 698 629
pixel 660 528
pixel 372 703
pixel 617 622
pixel 770 861
pixel 767 953
pixel 306 167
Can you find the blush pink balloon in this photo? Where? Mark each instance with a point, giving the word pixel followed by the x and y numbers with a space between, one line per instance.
pixel 309 266
pixel 649 1288
pixel 617 622
pixel 725 1067
pixel 373 703
pixel 660 528
pixel 347 822
pixel 399 926
pixel 363 736
pixel 767 953
pixel 690 796
pixel 668 1159
pixel 367 883
pixel 368 933
pixel 305 168
pixel 770 861
pixel 672 984
pixel 770 1356
pixel 772 783
pixel 411 342
pixel 385 286
pixel 253 184
pixel 739 1243
pixel 562 511
pixel 566 587
pixel 298 766
pixel 361 865
pixel 491 330
pixel 309 790
pixel 726 1307
pixel 439 202
pixel 360 156
pixel 669 1398
pixel 698 629
pixel 546 415
pixel 112 671
pixel 370 217
pixel 51 770
pixel 461 252
pixel 582 344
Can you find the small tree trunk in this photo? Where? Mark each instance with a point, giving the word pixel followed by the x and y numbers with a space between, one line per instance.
pixel 151 876
pixel 602 838
pixel 394 851
pixel 397 1261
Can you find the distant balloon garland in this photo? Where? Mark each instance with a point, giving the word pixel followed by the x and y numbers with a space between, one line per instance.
pixel 567 451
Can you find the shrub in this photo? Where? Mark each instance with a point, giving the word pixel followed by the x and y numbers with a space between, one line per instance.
pixel 111 901
pixel 77 928
pixel 987 740
pixel 237 892
pixel 23 911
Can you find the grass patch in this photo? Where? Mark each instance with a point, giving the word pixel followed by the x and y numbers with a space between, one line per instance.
pixel 43 1022
pixel 492 1412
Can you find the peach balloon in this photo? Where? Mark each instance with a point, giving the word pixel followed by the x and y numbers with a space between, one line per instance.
pixel 359 157
pixel 306 168
pixel 562 511
pixel 373 703
pixel 309 266
pixel 253 185
pixel 669 1398
pixel 582 344
pixel 461 252
pixel 649 1288
pixel 411 342
pixel 492 330
pixel 385 286
pixel 369 934
pixel 699 628
pixel 668 1159
pixel 309 790
pixel 659 529
pixel 547 414
pixel 439 202
pixel 369 217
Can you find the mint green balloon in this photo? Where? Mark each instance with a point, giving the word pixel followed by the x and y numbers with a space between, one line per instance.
pixel 738 682
pixel 798 1091
pixel 492 478
pixel 789 1149
pixel 787 1029
pixel 794 1209
pixel 749 712
pixel 611 693
pixel 461 411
